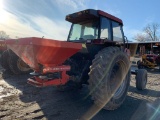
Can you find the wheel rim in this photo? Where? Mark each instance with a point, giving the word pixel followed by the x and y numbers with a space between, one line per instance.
pixel 22 65
pixel 116 84
pixel 120 90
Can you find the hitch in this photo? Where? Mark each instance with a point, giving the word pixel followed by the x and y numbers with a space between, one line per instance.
pixel 51 76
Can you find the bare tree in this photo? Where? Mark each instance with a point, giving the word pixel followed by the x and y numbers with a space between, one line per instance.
pixel 140 37
pixel 3 35
pixel 152 31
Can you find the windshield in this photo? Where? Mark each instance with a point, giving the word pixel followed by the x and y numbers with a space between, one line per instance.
pixel 84 31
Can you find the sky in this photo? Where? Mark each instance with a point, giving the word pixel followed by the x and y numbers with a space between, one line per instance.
pixel 37 18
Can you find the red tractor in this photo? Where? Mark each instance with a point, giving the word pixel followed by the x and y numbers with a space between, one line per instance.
pixel 93 54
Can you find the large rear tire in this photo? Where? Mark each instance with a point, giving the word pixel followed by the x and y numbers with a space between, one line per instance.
pixel 109 78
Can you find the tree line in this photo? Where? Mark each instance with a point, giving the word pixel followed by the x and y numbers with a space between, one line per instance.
pixel 3 35
pixel 150 32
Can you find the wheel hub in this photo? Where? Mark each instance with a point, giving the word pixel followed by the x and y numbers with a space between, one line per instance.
pixel 22 65
pixel 117 87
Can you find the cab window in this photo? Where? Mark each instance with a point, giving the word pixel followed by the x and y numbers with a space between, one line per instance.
pixel 105 29
pixel 117 32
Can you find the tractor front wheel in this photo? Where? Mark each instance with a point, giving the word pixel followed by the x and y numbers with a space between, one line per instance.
pixel 109 78
pixel 141 79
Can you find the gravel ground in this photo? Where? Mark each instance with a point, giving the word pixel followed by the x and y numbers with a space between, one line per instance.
pixel 18 100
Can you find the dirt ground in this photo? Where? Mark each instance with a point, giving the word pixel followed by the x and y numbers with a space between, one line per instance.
pixel 19 100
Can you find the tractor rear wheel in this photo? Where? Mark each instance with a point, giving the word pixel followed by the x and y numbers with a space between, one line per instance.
pixel 17 66
pixel 109 78
pixel 141 79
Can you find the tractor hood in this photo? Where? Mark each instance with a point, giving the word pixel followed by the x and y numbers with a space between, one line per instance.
pixel 40 52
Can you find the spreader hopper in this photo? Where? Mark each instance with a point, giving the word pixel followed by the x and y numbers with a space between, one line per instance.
pixel 38 52
pixel 45 57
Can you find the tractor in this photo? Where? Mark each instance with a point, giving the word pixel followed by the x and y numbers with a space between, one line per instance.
pixel 94 54
pixel 149 61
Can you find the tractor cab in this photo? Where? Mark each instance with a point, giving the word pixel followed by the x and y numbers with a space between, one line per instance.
pixel 92 25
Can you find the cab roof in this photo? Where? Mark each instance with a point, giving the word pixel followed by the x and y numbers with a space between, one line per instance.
pixel 90 14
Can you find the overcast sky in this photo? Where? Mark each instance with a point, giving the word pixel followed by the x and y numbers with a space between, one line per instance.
pixel 28 18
